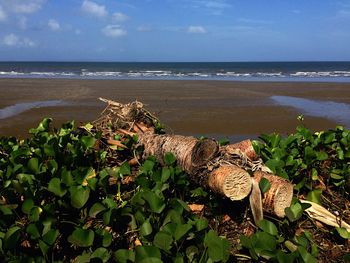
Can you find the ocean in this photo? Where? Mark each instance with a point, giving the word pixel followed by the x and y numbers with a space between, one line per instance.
pixel 239 71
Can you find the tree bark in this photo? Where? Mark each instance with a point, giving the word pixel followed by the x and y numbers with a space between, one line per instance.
pixel 279 196
pixel 190 152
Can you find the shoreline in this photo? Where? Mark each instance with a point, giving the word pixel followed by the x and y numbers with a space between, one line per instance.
pixel 233 109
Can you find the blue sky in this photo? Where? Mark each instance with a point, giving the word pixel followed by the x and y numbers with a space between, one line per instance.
pixel 174 30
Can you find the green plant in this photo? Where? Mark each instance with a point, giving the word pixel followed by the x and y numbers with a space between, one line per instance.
pixel 312 161
pixel 57 203
pixel 269 243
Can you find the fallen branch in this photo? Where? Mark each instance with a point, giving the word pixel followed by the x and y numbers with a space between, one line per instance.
pixel 224 170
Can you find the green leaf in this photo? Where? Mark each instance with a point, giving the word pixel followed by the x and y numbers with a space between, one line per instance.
pixel 156 203
pixel 66 177
pixel 263 241
pixel 82 237
pixel 88 141
pixel 343 232
pixel 107 239
pixel 27 205
pixel 33 231
pixel 33 165
pixel 25 179
pixel 51 236
pixel 163 240
pixel 198 192
pixel 294 212
pixel 79 196
pixel 146 228
pixel 12 237
pixel 315 196
pixel 309 154
pixel 165 174
pixel 147 166
pixel 306 256
pixel 56 187
pixel 83 258
pixel 169 158
pixel 274 164
pixel 49 150
pixel 88 126
pixel 284 257
pixel 264 185
pixel 5 210
pixel 102 254
pixel 124 256
pixel 34 214
pixel 146 254
pixel 268 227
pixel 43 247
pixel 96 209
pixel 125 169
pixel 321 156
pixel 218 248
pixel 42 127
pixel 314 174
pixel 181 230
pixel 201 223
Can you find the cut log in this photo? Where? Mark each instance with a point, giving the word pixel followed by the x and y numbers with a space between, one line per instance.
pixel 230 181
pixel 279 196
pixel 190 152
pixel 222 170
pixel 245 147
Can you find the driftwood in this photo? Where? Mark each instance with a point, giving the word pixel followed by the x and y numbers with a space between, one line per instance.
pixel 190 152
pixel 225 170
pixel 321 214
pixel 279 196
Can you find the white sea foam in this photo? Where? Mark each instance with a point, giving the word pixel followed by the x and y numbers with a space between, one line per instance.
pixel 168 74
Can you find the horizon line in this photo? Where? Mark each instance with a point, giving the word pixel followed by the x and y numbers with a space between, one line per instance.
pixel 165 61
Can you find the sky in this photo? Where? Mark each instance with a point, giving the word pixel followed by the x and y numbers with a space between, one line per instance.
pixel 174 30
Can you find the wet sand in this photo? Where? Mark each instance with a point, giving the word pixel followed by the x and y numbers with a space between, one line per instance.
pixel 213 108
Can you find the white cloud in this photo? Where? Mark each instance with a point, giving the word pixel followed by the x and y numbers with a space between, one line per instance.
pixel 54 25
pixel 3 15
pixel 214 4
pixel 23 7
pixel 114 31
pixel 94 9
pixel 13 40
pixel 196 30
pixel 144 28
pixel 119 17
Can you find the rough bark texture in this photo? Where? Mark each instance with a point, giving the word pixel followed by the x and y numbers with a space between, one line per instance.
pixel 230 181
pixel 279 196
pixel 190 152
pixel 245 147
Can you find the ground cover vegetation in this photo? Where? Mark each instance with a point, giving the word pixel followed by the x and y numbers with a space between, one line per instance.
pixel 68 195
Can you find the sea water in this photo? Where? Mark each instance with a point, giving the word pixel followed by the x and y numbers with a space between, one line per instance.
pixel 239 71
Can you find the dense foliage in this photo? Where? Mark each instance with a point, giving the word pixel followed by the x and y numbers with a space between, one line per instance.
pixel 63 197
pixel 57 204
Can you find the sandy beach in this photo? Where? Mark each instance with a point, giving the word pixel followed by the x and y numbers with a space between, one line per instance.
pixel 212 108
